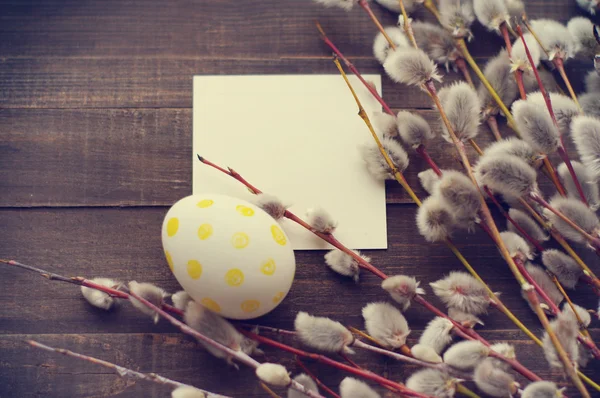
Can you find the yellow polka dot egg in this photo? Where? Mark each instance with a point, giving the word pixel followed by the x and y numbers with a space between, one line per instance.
pixel 228 254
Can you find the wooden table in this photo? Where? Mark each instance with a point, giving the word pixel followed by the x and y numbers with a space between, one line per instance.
pixel 95 145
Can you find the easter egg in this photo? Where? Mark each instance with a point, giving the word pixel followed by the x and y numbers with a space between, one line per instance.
pixel 228 255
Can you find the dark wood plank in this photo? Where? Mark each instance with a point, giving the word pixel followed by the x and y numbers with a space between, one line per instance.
pixel 125 244
pixel 126 157
pixel 206 29
pixel 34 373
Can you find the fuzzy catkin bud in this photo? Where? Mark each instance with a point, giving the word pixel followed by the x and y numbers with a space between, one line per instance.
pixel 582 30
pixel 425 353
pixel 381 47
pixel 437 334
pixel 590 103
pixel 462 107
pixel 563 266
pixel 466 355
pixel 353 388
pixel 306 382
pixel 343 4
pixel 402 289
pixel 436 42
pixel 385 124
pixel 541 389
pixel 542 278
pixel 461 196
pixel 271 204
pixel 98 298
pixel 432 382
pixel 565 109
pixel 536 126
pixel 411 66
pixel 586 135
pixel 494 381
pixel 592 82
pixel 512 146
pixel 578 212
pixel 376 163
pixel 507 175
pixel 320 220
pixel 582 313
pixel 344 264
pixel 435 220
pixel 497 71
pixel 181 300
pixel 323 333
pixel 555 38
pixel 457 16
pixel 214 327
pixel 187 392
pixel 516 245
pixel 429 180
pixel 519 56
pixel 506 350
pixel 394 6
pixel 386 324
pixel 273 374
pixel 491 13
pixel 588 184
pixel 460 290
pixel 566 329
pixel 526 223
pixel 464 318
pixel 413 129
pixel 151 293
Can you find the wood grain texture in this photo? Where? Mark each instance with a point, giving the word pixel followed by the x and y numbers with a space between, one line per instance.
pixel 95 144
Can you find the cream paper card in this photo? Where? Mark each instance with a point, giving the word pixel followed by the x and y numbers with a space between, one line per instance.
pixel 296 137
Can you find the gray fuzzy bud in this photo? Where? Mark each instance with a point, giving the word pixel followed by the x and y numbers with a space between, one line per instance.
pixel 462 291
pixel 498 72
pixel 494 381
pixel 516 245
pixel 586 135
pixel 402 289
pixel 536 126
pixel 566 329
pixel 466 355
pixel 344 264
pixel 461 196
pixel 588 184
pixel 98 298
pixel 541 277
pixel 353 388
pixel 429 180
pixel 181 300
pixel 578 212
pixel 541 389
pixel 592 82
pixel 590 103
pixel 512 146
pixel 563 266
pixel 491 13
pixel 435 220
pixel 411 66
pixel 526 223
pixel 507 175
pixel 462 107
pixel 306 382
pixel 393 5
pixel 413 129
pixel 435 41
pixel 457 16
pixel 381 47
pixel 437 334
pixel 271 204
pixel 149 292
pixel 385 124
pixel 376 163
pixel 386 324
pixel 432 382
pixel 582 30
pixel 565 109
pixel 555 38
pixel 323 333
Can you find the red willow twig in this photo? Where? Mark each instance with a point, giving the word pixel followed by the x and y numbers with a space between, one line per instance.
pixel 463 331
pixel 328 361
pixel 421 149
pixel 80 281
pixel 561 149
pixel 123 371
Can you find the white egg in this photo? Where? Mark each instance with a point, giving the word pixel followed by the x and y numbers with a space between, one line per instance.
pixel 228 254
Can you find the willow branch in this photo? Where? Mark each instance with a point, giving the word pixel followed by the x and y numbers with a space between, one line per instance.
pixel 123 371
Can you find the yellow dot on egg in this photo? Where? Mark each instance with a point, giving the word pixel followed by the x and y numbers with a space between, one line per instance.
pixel 245 211
pixel 205 231
pixel 268 267
pixel 210 304
pixel 278 235
pixel 169 260
pixel 234 277
pixel 278 297
pixel 250 306
pixel 204 203
pixel 194 269
pixel 172 226
pixel 239 240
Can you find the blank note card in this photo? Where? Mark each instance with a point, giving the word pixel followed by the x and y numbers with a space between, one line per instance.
pixel 296 137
